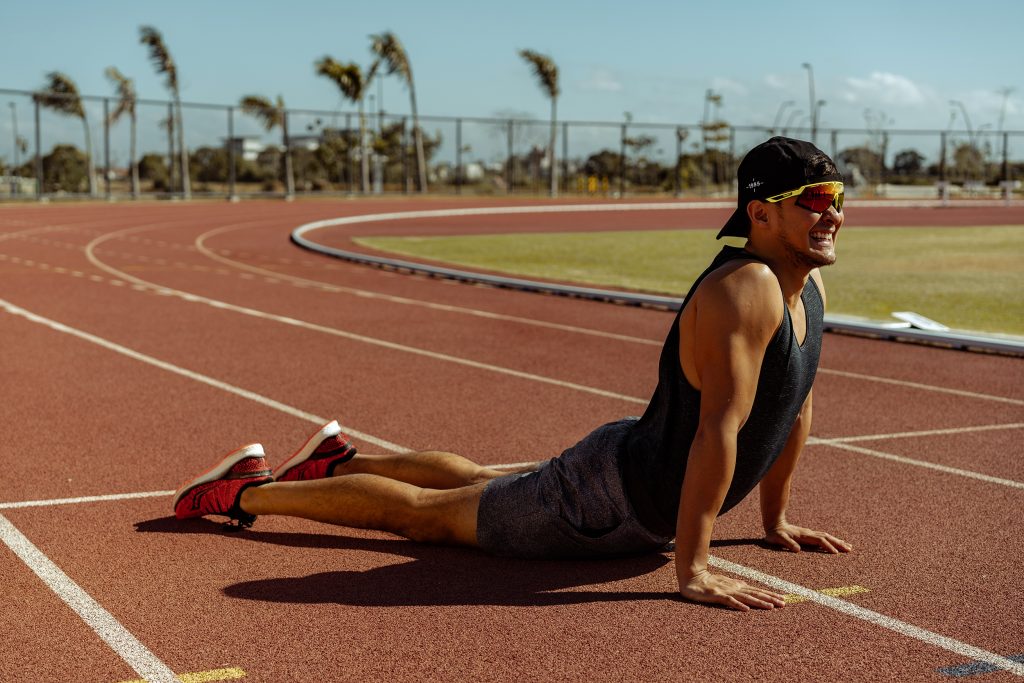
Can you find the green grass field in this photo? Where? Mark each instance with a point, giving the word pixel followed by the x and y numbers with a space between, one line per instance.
pixel 970 278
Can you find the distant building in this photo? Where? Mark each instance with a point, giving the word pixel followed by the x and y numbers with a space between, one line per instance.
pixel 246 146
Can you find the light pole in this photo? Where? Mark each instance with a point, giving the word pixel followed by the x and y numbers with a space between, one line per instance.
pixel 778 114
pixel 814 109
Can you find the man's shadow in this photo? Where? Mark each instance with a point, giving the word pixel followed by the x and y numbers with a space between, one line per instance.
pixel 435 575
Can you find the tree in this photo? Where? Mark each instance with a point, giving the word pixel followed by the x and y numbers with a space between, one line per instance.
pixel 547 75
pixel 908 163
pixel 126 101
pixel 61 95
pixel 153 168
pixel 164 64
pixel 270 115
pixel 389 50
pixel 64 168
pixel 349 79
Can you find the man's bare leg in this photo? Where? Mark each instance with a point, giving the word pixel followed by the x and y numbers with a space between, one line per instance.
pixel 427 469
pixel 369 501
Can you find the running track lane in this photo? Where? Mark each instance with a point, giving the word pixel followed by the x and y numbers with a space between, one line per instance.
pixel 432 656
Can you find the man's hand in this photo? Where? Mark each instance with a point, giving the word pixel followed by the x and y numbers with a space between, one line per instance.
pixel 791 537
pixel 733 593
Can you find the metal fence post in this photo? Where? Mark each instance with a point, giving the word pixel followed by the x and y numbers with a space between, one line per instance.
pixel 678 183
pixel 406 176
pixel 458 156
pixel 348 154
pixel 39 155
pixel 232 174
pixel 622 163
pixel 509 167
pixel 289 173
pixel 170 147
pixel 106 147
pixel 565 157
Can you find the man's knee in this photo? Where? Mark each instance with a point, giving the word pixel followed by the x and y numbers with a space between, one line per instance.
pixel 446 517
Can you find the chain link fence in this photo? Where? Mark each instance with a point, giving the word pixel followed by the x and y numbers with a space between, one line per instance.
pixel 46 153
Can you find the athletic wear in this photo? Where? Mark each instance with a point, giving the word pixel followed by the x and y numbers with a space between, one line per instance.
pixel 617 491
pixel 572 507
pixel 318 457
pixel 217 491
pixel 654 456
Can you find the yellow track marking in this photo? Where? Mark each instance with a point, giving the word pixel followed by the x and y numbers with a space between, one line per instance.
pixel 842 591
pixel 229 674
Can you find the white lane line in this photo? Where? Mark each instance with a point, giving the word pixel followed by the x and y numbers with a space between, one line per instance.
pixel 368 294
pixel 209 381
pixel 842 606
pixel 83 499
pixel 928 387
pixel 929 465
pixel 924 432
pixel 858 612
pixel 102 622
pixel 393 346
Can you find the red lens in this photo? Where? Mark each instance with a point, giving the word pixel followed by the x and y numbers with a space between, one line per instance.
pixel 818 200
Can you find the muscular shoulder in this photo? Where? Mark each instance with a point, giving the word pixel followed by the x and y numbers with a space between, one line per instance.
pixel 740 297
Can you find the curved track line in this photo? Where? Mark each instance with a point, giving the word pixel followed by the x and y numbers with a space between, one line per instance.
pixel 103 624
pixel 858 612
pixel 927 465
pixel 439 213
pixel 368 294
pixel 393 346
pixel 460 361
pixel 927 387
pixel 923 432
pixel 198 377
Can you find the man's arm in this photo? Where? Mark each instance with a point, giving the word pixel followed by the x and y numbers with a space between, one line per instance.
pixel 735 316
pixel 774 490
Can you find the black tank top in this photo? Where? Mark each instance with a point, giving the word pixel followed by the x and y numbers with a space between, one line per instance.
pixel 654 455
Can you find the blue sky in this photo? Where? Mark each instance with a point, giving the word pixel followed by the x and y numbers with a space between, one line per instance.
pixel 904 60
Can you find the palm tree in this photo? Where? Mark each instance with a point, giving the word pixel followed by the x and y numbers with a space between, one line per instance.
pixel 349 79
pixel 125 105
pixel 271 115
pixel 164 64
pixel 389 50
pixel 547 74
pixel 61 95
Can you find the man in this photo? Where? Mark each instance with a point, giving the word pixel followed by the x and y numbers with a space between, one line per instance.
pixel 732 410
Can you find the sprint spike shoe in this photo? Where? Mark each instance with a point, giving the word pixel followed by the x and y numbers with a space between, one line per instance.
pixel 317 459
pixel 219 490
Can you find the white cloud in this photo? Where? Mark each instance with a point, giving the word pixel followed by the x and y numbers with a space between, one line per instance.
pixel 885 88
pixel 603 80
pixel 726 86
pixel 776 82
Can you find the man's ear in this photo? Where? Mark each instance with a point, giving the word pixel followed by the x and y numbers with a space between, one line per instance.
pixel 757 212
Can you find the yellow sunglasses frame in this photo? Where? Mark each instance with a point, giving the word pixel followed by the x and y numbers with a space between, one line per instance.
pixel 837 185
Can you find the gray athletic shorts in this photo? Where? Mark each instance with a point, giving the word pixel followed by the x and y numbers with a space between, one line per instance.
pixel 572 507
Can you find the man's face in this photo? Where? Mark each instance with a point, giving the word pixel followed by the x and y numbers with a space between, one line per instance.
pixel 808 238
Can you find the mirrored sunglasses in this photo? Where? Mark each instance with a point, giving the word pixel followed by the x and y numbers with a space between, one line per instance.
pixel 816 197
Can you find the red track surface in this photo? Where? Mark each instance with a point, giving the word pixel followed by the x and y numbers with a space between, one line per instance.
pixel 292 600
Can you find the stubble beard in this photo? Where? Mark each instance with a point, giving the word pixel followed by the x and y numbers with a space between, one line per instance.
pixel 803 259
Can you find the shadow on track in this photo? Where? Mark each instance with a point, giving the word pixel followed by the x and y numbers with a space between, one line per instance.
pixel 436 575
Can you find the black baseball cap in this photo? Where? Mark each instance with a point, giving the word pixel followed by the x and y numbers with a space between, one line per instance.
pixel 773 167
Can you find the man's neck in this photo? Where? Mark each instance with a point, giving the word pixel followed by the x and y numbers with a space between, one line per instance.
pixel 792 277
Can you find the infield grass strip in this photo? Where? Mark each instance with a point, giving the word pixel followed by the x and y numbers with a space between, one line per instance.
pixel 969 278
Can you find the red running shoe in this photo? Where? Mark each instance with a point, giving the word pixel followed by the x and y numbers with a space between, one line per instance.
pixel 218 491
pixel 316 460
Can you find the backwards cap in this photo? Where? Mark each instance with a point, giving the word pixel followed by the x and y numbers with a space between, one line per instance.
pixel 773 167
